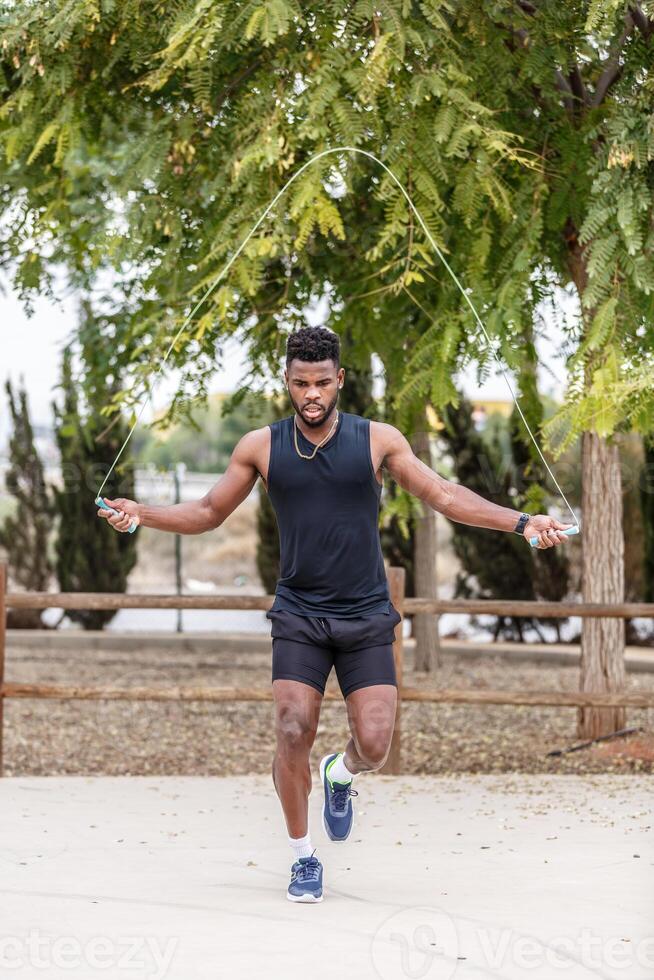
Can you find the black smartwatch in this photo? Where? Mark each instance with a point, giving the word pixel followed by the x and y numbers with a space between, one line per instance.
pixel 522 523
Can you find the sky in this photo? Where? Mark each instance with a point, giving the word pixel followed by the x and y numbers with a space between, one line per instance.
pixel 31 349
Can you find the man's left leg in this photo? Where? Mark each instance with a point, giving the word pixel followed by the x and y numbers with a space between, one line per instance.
pixel 371 717
pixel 365 668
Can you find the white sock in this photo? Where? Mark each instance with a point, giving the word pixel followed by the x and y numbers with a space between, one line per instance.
pixel 301 846
pixel 338 771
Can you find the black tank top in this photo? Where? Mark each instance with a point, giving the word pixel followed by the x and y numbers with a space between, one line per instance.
pixel 327 510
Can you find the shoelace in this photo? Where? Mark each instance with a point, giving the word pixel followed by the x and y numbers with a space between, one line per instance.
pixel 341 796
pixel 309 870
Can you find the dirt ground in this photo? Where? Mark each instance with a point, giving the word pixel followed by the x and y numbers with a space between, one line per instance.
pixel 166 738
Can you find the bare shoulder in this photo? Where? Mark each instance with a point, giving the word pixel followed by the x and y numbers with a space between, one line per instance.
pixel 386 439
pixel 253 449
pixel 381 432
pixel 386 442
pixel 253 442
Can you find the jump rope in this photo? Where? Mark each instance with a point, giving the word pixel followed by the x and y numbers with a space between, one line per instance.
pixel 223 272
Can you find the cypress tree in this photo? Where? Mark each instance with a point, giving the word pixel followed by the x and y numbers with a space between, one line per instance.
pixel 91 556
pixel 25 534
pixel 494 566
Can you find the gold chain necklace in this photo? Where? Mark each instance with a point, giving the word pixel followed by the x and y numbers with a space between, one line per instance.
pixel 328 436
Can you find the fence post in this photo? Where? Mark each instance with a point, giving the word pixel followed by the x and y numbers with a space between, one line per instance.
pixel 178 475
pixel 396 582
pixel 3 635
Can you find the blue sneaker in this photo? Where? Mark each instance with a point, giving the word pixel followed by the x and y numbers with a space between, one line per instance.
pixel 337 813
pixel 306 881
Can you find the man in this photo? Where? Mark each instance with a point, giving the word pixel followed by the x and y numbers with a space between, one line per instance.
pixel 322 470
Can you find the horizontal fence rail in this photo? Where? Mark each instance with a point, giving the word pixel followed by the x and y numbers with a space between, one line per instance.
pixel 441 696
pixel 477 607
pixel 411 606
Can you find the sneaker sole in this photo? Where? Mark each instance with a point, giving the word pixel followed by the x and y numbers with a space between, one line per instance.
pixel 325 825
pixel 304 899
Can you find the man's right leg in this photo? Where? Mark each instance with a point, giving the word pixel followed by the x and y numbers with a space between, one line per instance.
pixel 297 712
pixel 301 664
pixel 297 709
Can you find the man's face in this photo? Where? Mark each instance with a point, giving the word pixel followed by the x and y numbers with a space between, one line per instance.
pixel 313 389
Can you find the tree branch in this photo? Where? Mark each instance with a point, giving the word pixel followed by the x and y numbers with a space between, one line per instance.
pixel 642 21
pixel 573 88
pixel 613 69
pixel 564 87
pixel 233 85
pixel 577 85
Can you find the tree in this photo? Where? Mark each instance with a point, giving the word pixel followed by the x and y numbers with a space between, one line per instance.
pixel 493 566
pixel 231 104
pixel 494 460
pixel 602 243
pixel 25 534
pixel 91 557
pixel 144 138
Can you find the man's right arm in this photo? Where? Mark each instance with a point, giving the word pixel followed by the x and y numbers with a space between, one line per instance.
pixel 205 514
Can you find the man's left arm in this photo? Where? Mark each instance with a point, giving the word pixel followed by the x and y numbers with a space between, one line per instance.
pixel 455 501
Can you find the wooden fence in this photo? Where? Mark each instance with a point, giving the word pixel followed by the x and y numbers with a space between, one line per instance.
pixel 396 581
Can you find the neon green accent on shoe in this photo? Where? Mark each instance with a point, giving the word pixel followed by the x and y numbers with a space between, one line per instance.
pixel 331 781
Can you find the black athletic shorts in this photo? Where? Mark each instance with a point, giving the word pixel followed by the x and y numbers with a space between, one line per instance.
pixel 305 648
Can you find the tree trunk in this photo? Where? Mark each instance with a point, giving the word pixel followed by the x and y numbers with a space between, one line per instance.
pixel 425 625
pixel 602 640
pixel 602 575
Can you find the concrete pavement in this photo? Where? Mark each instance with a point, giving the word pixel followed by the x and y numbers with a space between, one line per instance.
pixel 467 878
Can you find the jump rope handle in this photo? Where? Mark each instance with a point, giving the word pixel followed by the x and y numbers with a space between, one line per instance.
pixel 103 505
pixel 571 530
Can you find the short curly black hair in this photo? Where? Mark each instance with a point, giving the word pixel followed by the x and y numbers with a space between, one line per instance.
pixel 313 344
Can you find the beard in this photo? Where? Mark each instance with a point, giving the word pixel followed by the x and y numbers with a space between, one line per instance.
pixel 314 423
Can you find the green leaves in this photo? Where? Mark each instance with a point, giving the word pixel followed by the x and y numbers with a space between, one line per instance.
pixel 47 136
pixel 271 19
pixel 430 370
pixel 140 142
pixel 616 398
pixel 601 16
pixel 602 406
pixel 602 325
